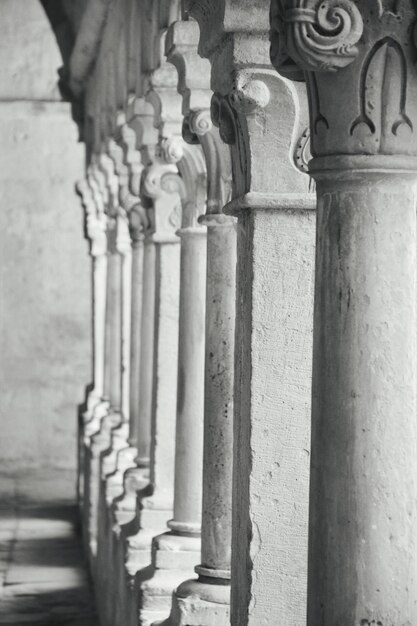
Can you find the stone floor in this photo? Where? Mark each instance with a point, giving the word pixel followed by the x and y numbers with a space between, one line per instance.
pixel 42 570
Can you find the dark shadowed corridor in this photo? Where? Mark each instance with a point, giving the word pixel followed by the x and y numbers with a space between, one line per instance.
pixel 42 571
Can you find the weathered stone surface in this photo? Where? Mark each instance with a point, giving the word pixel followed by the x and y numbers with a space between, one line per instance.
pixel 52 326
pixel 362 83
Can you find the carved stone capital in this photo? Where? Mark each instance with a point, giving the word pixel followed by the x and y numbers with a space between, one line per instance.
pixel 162 94
pixel 106 165
pixel 248 93
pixel 317 36
pixel 99 242
pixel 95 173
pixel 139 223
pixel 358 60
pixel 257 106
pixel 132 158
pixel 142 124
pixel 171 149
pixel 198 128
pixel 161 184
pixel 193 191
pixel 181 48
pixel 84 191
pixel 116 154
pixel 259 117
pixel 196 124
pixel 95 227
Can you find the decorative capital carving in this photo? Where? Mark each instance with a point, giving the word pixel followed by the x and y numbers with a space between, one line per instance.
pixel 95 227
pixel 193 71
pixel 248 94
pixel 316 36
pixel 171 149
pixel 199 122
pixel 165 214
pixel 198 128
pixel 193 189
pixel 163 96
pixel 106 165
pixel 256 107
pixel 132 158
pixel 358 60
pixel 139 222
pixel 142 124
pixel 257 116
pixel 116 154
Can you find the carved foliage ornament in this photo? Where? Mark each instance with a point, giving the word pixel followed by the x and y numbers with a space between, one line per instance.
pixel 314 35
pixel 161 183
pixel 369 105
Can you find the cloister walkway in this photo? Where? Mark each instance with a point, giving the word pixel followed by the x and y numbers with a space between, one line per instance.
pixel 43 576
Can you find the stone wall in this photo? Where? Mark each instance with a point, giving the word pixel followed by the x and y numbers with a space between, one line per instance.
pixel 44 267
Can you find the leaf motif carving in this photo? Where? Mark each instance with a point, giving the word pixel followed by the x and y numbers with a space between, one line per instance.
pixel 317 35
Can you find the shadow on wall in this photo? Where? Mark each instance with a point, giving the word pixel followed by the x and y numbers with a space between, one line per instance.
pixel 64 17
pixel 45 315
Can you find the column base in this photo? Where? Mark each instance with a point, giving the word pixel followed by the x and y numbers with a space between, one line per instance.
pixel 92 422
pixel 173 559
pixel 171 551
pixel 153 514
pixel 98 444
pixel 135 479
pixel 202 602
pixel 155 594
pixel 118 442
pixel 101 440
pixel 125 460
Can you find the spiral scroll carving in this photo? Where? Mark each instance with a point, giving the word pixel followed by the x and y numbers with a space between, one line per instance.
pixel 172 149
pixel 317 35
pixel 200 122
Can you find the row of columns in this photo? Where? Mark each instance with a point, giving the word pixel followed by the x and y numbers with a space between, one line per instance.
pixel 248 450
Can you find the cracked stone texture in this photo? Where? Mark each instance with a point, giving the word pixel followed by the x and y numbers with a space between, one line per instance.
pixel 43 576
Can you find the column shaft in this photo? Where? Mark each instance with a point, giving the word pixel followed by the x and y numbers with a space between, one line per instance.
pixel 274 319
pixel 165 371
pixel 143 424
pixel 126 332
pixel 190 400
pixel 218 399
pixel 108 326
pixel 99 320
pixel 115 321
pixel 136 321
pixel 363 514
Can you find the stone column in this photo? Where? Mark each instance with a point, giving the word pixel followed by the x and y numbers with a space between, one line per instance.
pixel 175 553
pixel 96 227
pixel 206 600
pixel 190 403
pixel 102 439
pixel 159 92
pixel 137 475
pixel 123 453
pixel 98 185
pixel 358 60
pixel 98 182
pixel 159 349
pixel 112 466
pixel 136 529
pixel 96 234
